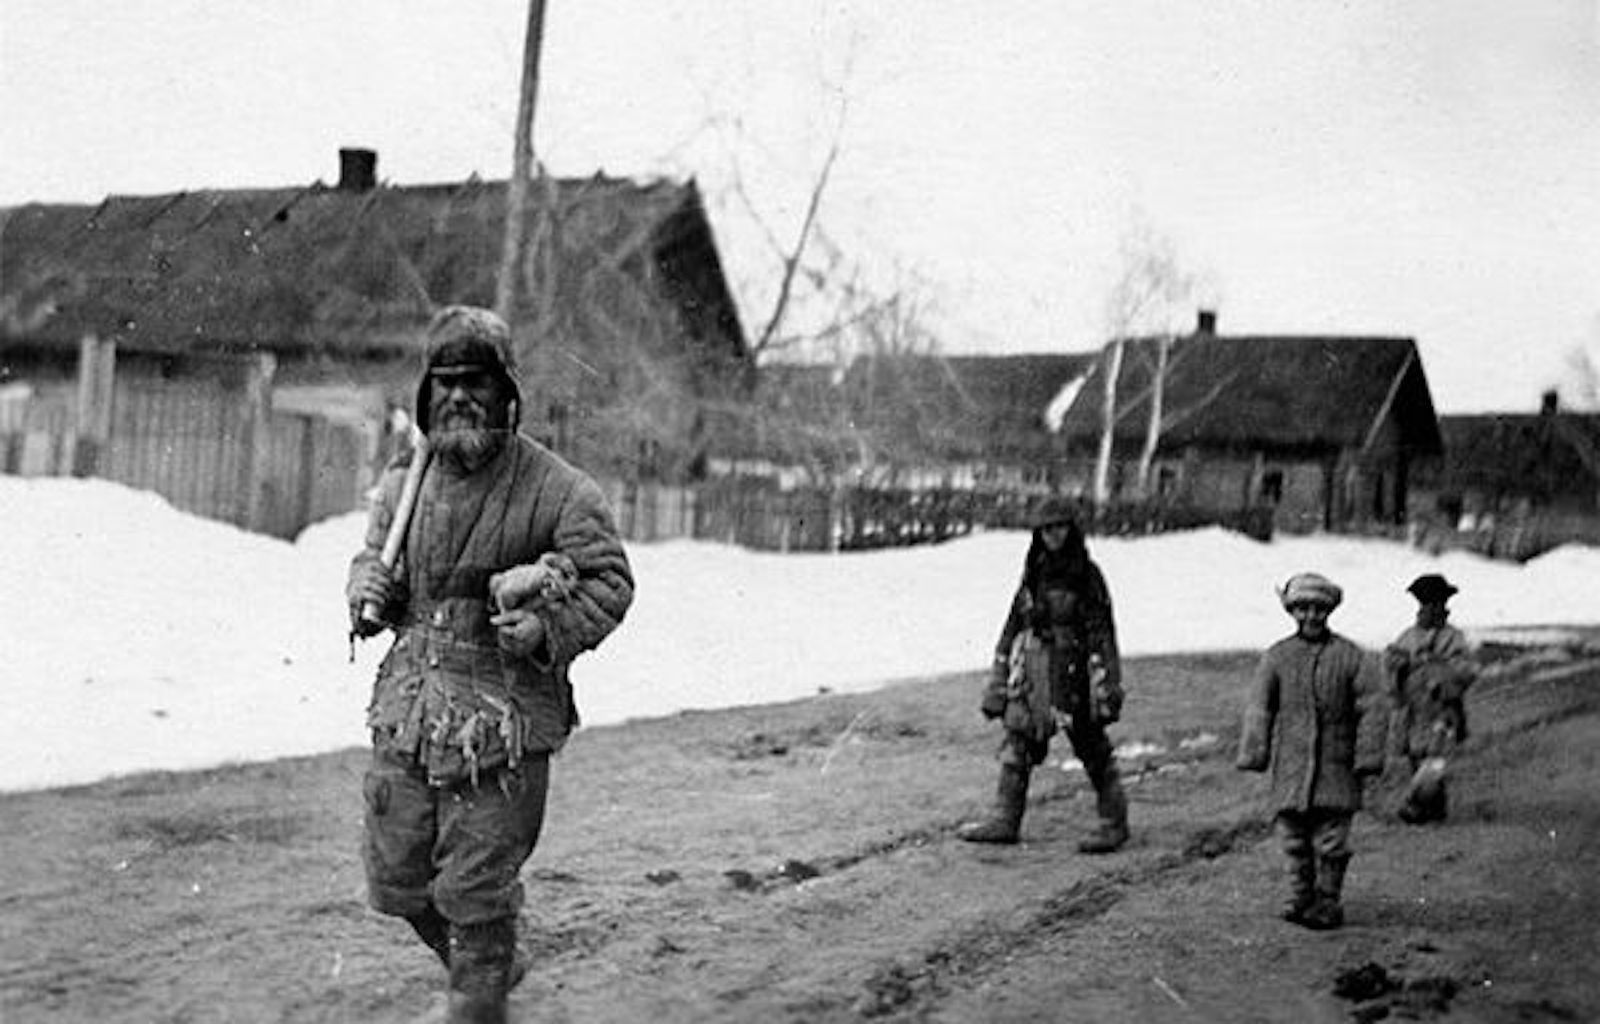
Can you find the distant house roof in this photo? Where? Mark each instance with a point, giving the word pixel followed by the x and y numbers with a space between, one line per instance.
pixel 997 408
pixel 1543 456
pixel 1274 393
pixel 318 268
pixel 797 415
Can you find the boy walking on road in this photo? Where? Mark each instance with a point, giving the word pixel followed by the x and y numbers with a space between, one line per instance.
pixel 1314 720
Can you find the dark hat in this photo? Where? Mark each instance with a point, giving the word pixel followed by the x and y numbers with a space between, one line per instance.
pixel 1431 588
pixel 463 356
pixel 1054 512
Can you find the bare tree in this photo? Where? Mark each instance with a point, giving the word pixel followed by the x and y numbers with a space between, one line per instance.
pixel 792 259
pixel 1149 295
pixel 1580 385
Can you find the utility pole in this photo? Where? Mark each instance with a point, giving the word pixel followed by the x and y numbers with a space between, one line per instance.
pixel 505 298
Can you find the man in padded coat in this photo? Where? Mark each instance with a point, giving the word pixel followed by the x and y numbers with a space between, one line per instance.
pixel 511 568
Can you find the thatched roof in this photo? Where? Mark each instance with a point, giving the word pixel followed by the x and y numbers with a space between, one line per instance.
pixel 1541 456
pixel 1308 395
pixel 994 408
pixel 323 269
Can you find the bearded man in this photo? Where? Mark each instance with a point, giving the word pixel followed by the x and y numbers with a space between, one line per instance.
pixel 474 695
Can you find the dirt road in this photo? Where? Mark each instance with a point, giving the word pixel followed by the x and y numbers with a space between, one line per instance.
pixel 798 863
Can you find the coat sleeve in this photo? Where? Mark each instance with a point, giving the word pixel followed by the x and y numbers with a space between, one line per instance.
pixel 383 507
pixel 1396 670
pixel 381 515
pixel 1456 653
pixel 1016 622
pixel 1100 626
pixel 1372 711
pixel 1260 714
pixel 586 532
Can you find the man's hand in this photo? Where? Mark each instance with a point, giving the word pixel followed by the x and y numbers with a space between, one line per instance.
pixel 371 583
pixel 519 632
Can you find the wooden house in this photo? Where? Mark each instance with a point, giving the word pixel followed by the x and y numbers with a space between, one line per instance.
pixel 626 330
pixel 1326 431
pixel 1515 483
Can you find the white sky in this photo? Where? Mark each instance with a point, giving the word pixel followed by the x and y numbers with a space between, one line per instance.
pixel 136 637
pixel 1415 167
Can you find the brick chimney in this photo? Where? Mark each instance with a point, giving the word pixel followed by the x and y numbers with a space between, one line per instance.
pixel 358 170
pixel 1549 403
pixel 1206 323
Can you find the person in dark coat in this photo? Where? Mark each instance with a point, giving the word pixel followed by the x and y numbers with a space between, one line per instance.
pixel 1056 666
pixel 511 568
pixel 1430 668
pixel 1315 720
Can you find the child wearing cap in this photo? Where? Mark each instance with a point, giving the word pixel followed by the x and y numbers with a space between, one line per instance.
pixel 1430 667
pixel 1314 720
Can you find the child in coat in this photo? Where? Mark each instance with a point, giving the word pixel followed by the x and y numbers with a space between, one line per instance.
pixel 1430 667
pixel 1314 720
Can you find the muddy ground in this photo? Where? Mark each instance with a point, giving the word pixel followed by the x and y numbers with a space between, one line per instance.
pixel 798 863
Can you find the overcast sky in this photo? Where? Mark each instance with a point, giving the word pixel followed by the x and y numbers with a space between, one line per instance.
pixel 1427 168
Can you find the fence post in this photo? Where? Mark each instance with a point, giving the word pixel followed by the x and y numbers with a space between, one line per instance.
pixel 257 437
pixel 97 372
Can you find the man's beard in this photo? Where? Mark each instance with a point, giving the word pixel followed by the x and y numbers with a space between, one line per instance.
pixel 463 440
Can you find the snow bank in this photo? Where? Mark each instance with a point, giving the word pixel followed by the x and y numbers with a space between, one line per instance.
pixel 138 637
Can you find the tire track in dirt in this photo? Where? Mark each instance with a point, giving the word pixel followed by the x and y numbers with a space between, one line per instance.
pixel 908 984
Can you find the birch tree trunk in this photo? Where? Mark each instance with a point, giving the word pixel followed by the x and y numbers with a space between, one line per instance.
pixel 1108 425
pixel 1152 433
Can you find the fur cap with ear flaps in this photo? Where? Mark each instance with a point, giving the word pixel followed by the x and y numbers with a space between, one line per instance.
pixel 461 339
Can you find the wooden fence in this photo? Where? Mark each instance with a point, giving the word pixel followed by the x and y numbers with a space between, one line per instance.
pixel 193 440
pixel 756 513
pixel 199 431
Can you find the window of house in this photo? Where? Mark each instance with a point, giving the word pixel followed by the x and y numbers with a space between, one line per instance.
pixel 1272 486
pixel 1166 481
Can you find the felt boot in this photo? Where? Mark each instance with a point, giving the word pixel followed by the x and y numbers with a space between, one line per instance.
pixel 482 957
pixel 1112 805
pixel 1327 910
pixel 433 930
pixel 1005 825
pixel 1302 887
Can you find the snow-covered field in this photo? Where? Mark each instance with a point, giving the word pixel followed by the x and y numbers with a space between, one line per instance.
pixel 135 636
